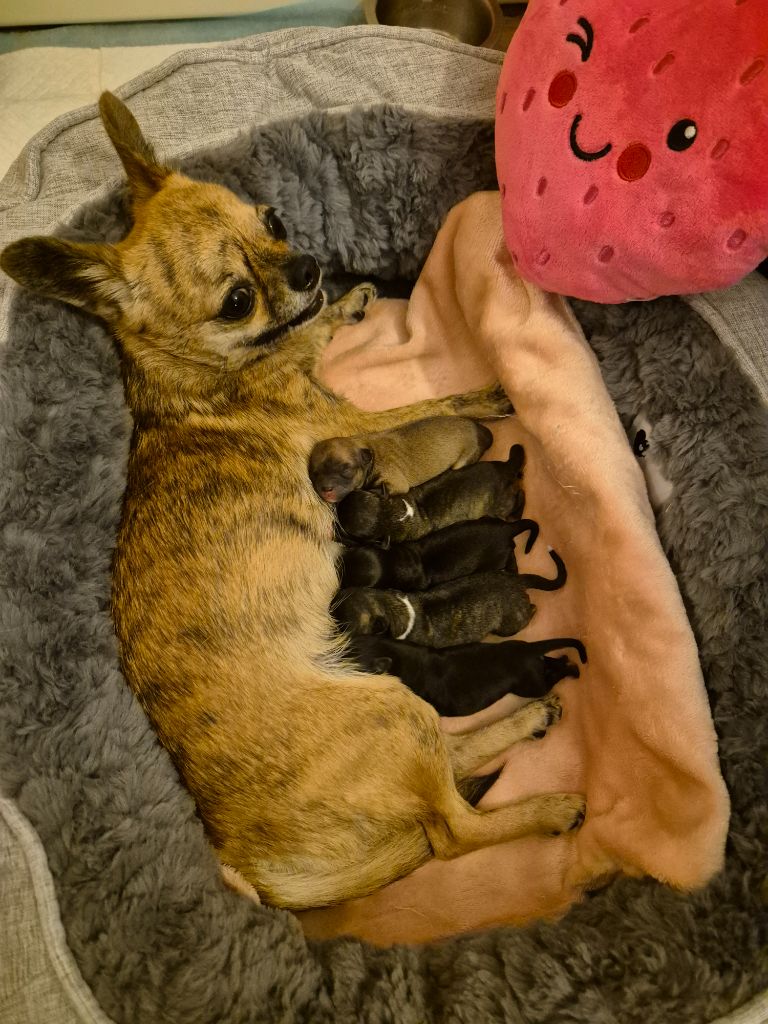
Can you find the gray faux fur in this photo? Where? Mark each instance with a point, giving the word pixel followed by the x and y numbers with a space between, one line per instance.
pixel 153 931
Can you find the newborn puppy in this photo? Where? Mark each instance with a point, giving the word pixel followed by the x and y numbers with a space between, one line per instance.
pixel 460 550
pixel 459 612
pixel 393 461
pixel 465 679
pixel 484 489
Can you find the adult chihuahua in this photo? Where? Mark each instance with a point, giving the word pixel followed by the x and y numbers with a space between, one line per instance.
pixel 315 782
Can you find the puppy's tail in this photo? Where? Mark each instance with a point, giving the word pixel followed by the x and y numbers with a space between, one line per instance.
pixel 533 582
pixel 558 644
pixel 516 458
pixel 526 526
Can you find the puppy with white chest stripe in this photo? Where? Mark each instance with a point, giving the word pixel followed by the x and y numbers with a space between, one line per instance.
pixel 460 611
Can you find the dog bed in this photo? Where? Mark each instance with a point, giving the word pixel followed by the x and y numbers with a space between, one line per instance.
pixel 153 932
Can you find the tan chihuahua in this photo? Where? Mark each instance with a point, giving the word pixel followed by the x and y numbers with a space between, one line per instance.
pixel 315 782
pixel 393 461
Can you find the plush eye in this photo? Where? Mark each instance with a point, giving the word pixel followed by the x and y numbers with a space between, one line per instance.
pixel 275 226
pixel 586 43
pixel 682 135
pixel 237 304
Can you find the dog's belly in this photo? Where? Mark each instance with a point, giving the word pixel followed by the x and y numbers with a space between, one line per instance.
pixel 214 586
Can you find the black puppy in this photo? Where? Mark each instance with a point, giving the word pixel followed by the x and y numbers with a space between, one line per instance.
pixel 484 489
pixel 465 679
pixel 460 550
pixel 458 612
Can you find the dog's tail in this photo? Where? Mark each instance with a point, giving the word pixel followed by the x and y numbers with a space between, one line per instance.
pixel 533 582
pixel 557 644
pixel 525 526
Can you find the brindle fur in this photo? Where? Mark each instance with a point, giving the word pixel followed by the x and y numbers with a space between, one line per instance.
pixel 316 783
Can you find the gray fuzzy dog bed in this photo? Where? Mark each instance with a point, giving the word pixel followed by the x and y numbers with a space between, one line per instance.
pixel 153 932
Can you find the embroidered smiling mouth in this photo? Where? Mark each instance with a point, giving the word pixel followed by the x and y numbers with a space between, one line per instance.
pixel 585 154
pixel 274 333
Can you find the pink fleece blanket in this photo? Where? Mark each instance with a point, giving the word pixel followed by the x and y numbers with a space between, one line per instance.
pixel 636 735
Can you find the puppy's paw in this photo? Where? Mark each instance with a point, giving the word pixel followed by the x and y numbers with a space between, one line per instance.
pixel 485 403
pixel 352 306
pixel 568 813
pixel 543 713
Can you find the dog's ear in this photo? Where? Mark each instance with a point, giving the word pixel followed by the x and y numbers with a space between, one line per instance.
pixel 366 458
pixel 145 174
pixel 84 275
pixel 380 666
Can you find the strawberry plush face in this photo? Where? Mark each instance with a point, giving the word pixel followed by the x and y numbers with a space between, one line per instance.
pixel 632 145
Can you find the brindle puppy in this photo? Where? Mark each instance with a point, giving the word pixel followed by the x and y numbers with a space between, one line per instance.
pixel 315 783
pixel 460 550
pixel 394 461
pixel 459 612
pixel 464 679
pixel 485 489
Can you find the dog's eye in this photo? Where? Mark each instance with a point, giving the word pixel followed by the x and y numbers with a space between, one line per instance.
pixel 237 304
pixel 275 226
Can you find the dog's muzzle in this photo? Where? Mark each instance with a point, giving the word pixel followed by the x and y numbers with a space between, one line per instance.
pixel 274 333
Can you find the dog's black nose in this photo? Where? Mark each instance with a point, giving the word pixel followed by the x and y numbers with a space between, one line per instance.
pixel 303 273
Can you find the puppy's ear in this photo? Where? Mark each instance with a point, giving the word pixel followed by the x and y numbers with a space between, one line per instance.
pixel 366 458
pixel 83 275
pixel 145 174
pixel 381 666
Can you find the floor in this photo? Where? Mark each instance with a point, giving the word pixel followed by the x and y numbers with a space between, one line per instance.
pixel 49 71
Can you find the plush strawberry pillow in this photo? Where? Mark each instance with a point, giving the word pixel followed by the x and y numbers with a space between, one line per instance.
pixel 632 145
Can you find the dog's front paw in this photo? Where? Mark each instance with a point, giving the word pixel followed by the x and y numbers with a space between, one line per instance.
pixel 487 402
pixel 352 306
pixel 541 714
pixel 568 812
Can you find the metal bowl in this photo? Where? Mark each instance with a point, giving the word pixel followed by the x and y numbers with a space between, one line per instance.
pixel 470 21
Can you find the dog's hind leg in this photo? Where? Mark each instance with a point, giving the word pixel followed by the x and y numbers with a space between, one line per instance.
pixel 458 828
pixel 322 882
pixel 469 751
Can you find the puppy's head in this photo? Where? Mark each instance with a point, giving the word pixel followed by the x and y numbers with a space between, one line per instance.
pixel 360 611
pixel 361 515
pixel 338 466
pixel 201 275
pixel 360 567
pixel 366 653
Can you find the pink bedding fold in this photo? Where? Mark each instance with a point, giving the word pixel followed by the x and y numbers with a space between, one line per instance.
pixel 636 735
